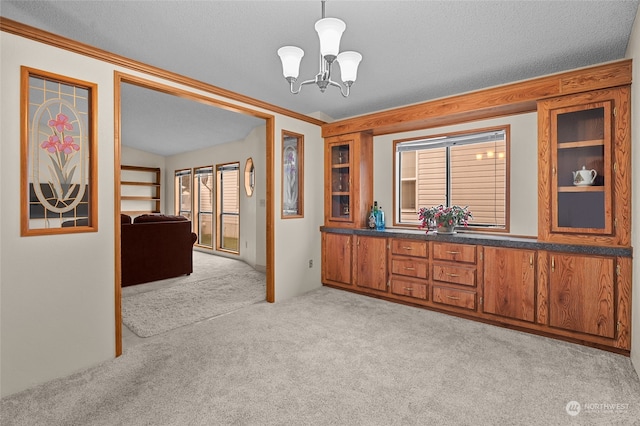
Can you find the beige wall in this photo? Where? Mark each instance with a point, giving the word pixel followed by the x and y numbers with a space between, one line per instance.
pixel 57 318
pixel 633 51
pixel 524 168
pixel 253 233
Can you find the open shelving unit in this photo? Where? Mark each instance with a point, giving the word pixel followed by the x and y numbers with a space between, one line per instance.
pixel 139 190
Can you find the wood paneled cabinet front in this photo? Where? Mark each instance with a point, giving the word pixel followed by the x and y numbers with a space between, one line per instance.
pixel 336 258
pixel 348 180
pixel 581 294
pixel 509 283
pixel 370 257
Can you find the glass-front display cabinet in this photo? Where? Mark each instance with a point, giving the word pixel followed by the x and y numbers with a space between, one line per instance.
pixel 584 167
pixel 581 180
pixel 348 181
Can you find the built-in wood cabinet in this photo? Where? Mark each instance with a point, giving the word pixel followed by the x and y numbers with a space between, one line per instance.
pixel 509 283
pixel 336 258
pixel 370 257
pixel 584 298
pixel 455 275
pixel 409 269
pixel 348 180
pixel 584 168
pixel 581 294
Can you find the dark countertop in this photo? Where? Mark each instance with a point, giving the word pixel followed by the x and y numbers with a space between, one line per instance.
pixel 486 240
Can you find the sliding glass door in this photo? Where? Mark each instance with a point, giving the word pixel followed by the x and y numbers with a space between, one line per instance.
pixel 203 202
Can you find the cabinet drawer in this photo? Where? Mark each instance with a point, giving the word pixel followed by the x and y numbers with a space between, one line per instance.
pixel 409 248
pixel 409 288
pixel 409 267
pixel 452 297
pixel 455 274
pixel 456 252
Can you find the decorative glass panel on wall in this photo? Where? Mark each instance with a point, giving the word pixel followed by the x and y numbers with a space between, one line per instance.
pixel 292 175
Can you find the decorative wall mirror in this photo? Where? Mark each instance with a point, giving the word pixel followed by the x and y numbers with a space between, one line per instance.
pixel 249 177
pixel 292 175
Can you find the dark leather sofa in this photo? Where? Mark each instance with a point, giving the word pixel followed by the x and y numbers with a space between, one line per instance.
pixel 155 247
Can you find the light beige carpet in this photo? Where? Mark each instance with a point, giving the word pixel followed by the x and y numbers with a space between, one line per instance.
pixel 151 309
pixel 331 357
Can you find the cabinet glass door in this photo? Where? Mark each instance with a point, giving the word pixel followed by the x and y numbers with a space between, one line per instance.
pixel 581 139
pixel 341 182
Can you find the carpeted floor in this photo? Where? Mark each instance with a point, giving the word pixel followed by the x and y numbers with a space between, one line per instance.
pixel 158 311
pixel 330 357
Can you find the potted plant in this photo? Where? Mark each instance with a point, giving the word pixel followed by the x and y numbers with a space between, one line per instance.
pixel 444 219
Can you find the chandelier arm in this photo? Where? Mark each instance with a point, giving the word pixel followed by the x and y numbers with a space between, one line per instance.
pixel 343 92
pixel 293 80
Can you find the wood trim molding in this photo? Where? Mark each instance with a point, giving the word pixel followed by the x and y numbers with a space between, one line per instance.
pixel 41 36
pixel 509 99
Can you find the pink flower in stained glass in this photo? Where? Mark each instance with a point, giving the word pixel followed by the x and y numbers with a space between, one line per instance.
pixel 52 144
pixel 61 123
pixel 67 146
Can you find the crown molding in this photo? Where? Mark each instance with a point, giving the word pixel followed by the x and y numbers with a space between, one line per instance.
pixel 45 37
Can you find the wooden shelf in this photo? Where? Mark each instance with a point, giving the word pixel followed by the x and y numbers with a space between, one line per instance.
pixel 340 166
pixel 581 189
pixel 580 144
pixel 139 183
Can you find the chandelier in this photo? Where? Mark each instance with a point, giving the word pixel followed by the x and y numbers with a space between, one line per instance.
pixel 329 31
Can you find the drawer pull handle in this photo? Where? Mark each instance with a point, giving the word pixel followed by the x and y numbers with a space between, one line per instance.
pixel 453 252
pixel 409 288
pixel 453 298
pixel 410 269
pixel 407 248
pixel 453 275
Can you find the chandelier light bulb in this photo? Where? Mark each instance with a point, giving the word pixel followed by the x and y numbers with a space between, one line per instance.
pixel 349 62
pixel 330 31
pixel 290 57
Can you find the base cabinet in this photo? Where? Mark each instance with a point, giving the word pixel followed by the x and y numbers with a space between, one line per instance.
pixel 509 283
pixel 582 298
pixel 371 263
pixel 336 258
pixel 581 294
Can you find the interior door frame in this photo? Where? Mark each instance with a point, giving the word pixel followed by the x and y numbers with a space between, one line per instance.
pixel 119 79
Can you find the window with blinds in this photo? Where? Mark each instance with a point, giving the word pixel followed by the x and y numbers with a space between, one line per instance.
pixel 469 169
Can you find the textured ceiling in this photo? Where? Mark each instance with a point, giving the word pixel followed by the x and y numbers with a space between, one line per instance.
pixel 413 50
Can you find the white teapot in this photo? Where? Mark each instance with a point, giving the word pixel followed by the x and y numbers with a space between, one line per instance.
pixel 584 176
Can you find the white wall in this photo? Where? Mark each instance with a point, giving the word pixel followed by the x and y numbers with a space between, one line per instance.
pixel 298 240
pixel 58 317
pixel 523 165
pixel 633 51
pixel 252 212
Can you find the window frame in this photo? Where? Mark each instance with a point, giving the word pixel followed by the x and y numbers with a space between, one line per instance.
pixel 177 174
pixel 473 228
pixel 196 212
pixel 219 168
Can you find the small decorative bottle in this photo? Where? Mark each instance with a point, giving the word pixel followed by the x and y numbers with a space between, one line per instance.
pixel 372 219
pixel 380 225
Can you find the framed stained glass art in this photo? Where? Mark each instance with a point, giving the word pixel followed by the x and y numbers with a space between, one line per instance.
pixel 292 175
pixel 58 154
